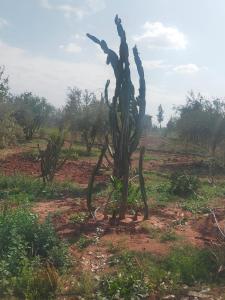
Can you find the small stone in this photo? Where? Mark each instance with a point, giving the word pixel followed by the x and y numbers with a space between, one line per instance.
pixel 198 295
pixel 169 297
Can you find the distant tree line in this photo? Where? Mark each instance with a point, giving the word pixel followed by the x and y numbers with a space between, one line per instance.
pixel 200 121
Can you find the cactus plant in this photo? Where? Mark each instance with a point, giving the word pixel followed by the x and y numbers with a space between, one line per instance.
pixel 50 157
pixel 126 112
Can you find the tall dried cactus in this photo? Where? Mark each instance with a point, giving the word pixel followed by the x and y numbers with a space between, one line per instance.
pixel 126 112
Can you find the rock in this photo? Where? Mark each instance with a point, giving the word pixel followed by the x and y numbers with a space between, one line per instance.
pixel 198 295
pixel 169 297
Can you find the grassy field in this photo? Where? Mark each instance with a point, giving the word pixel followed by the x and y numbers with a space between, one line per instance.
pixel 51 249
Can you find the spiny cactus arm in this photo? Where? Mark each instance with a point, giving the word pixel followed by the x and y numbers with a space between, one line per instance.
pixel 113 120
pixel 124 51
pixel 142 87
pixel 112 57
pixel 120 29
pixel 141 101
pixel 106 92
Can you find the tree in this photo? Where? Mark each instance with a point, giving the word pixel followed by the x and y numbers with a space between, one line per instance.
pixel 10 131
pixel 171 126
pixel 86 116
pixel 160 115
pixel 202 121
pixel 147 124
pixel 31 112
pixel 4 86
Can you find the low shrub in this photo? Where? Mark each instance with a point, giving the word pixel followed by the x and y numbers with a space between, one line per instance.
pixel 84 242
pixel 26 245
pixel 79 217
pixel 183 185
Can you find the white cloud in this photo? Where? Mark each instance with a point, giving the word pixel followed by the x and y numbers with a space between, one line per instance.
pixel 50 78
pixel 158 35
pixel 3 23
pixel 155 64
pixel 79 10
pixel 187 69
pixel 170 68
pixel 71 48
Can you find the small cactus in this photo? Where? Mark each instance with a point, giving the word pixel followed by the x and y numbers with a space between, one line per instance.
pixel 50 157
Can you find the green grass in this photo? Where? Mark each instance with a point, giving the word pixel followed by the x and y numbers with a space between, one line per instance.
pixel 151 158
pixel 82 151
pixel 20 188
pixel 168 236
pixel 143 274
pixel 158 187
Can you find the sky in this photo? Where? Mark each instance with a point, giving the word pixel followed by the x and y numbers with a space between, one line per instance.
pixel 44 48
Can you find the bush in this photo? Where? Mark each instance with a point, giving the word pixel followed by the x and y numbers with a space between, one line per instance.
pixel 10 131
pixel 137 276
pixel 184 185
pixel 25 247
pixel 84 242
pixel 79 217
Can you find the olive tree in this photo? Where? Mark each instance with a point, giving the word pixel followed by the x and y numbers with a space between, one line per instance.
pixel 10 131
pixel 30 112
pixel 202 121
pixel 86 115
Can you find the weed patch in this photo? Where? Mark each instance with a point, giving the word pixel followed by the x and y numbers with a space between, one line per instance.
pixel 29 252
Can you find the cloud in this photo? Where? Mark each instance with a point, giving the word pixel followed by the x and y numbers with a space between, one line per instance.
pixel 3 23
pixel 49 77
pixel 71 48
pixel 158 35
pixel 187 69
pixel 170 68
pixel 79 10
pixel 155 64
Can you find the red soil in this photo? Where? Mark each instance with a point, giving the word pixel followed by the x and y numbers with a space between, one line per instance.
pixel 128 235
pixel 76 171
